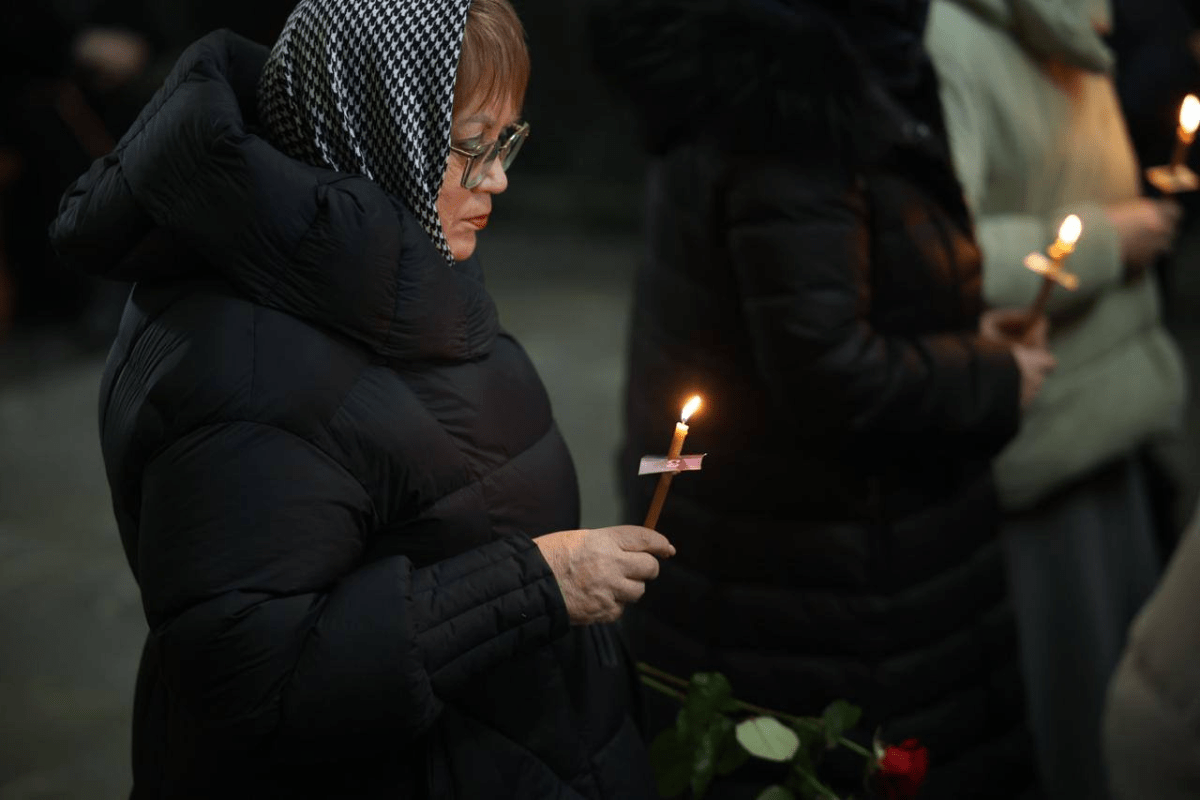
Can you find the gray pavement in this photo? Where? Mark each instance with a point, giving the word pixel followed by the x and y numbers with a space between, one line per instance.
pixel 70 619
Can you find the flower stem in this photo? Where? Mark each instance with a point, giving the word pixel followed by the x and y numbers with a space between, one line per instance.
pixel 822 789
pixel 659 686
pixel 661 675
pixel 658 679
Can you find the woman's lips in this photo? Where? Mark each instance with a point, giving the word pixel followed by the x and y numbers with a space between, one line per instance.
pixel 479 222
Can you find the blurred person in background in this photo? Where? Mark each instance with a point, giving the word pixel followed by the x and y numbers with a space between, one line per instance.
pixel 810 270
pixel 1157 49
pixel 1037 134
pixel 352 518
pixel 73 76
pixel 1152 717
pixel 55 69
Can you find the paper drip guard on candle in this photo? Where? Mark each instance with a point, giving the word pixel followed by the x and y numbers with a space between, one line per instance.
pixel 1050 266
pixel 673 463
pixel 653 465
pixel 1177 176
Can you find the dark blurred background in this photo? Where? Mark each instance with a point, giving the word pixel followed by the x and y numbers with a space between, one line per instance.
pixel 75 73
pixel 559 257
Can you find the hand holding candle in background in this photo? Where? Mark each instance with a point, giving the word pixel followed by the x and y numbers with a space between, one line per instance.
pixel 1029 345
pixel 1177 176
pixel 1011 327
pixel 1051 269
pixel 1146 229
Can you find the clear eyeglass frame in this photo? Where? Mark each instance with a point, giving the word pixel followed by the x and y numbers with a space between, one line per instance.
pixel 481 157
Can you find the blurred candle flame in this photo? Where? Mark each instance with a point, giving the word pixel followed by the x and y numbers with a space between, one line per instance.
pixel 1068 232
pixel 1189 114
pixel 690 408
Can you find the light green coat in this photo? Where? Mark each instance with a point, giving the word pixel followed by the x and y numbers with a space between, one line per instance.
pixel 1037 133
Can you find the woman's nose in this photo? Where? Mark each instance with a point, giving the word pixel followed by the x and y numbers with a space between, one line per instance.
pixel 495 180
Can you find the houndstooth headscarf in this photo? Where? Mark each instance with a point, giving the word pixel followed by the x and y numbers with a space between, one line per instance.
pixel 367 87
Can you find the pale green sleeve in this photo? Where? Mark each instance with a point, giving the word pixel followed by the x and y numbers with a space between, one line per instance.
pixel 1006 239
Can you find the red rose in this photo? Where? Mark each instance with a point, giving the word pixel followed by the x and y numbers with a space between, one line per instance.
pixel 902 769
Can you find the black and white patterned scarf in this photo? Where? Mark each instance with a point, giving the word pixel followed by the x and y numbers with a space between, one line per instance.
pixel 367 87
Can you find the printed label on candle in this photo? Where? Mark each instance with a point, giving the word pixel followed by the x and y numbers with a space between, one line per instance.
pixel 654 464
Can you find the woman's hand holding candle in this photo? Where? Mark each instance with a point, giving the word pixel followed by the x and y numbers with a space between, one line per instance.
pixel 1010 326
pixel 601 570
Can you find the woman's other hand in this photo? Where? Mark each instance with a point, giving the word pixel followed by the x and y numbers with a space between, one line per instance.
pixel 602 570
pixel 1146 229
pixel 1035 364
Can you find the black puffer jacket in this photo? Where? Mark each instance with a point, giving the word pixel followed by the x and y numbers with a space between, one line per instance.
pixel 811 272
pixel 326 464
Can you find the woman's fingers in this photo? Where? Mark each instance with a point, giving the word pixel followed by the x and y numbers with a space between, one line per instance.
pixel 639 566
pixel 635 538
pixel 629 591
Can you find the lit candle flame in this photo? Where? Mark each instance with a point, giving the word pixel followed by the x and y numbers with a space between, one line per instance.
pixel 1189 114
pixel 1068 232
pixel 690 409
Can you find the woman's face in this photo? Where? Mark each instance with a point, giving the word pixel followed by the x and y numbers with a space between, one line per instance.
pixel 464 212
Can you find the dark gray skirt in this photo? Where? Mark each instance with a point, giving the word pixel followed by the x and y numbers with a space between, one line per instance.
pixel 1081 564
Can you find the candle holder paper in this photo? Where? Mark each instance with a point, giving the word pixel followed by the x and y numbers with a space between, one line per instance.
pixel 653 465
pixel 1170 179
pixel 1048 268
pixel 666 468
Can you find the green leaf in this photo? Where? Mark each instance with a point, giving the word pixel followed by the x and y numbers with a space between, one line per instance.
pixel 672 761
pixel 839 717
pixel 767 738
pixel 804 762
pixel 731 755
pixel 708 693
pixel 705 756
pixel 776 792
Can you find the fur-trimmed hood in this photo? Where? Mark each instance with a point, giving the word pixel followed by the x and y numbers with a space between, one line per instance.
pixel 764 74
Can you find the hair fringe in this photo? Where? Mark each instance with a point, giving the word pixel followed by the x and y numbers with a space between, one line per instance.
pixel 494 65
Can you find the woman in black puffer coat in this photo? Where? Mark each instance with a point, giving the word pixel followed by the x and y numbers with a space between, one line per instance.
pixel 338 482
pixel 811 272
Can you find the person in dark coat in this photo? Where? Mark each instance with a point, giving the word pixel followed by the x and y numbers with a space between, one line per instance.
pixel 811 271
pixel 337 480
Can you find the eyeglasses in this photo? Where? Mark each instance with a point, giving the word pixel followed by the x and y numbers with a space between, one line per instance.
pixel 480 157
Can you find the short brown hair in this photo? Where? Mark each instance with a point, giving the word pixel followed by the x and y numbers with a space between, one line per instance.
pixel 495 58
